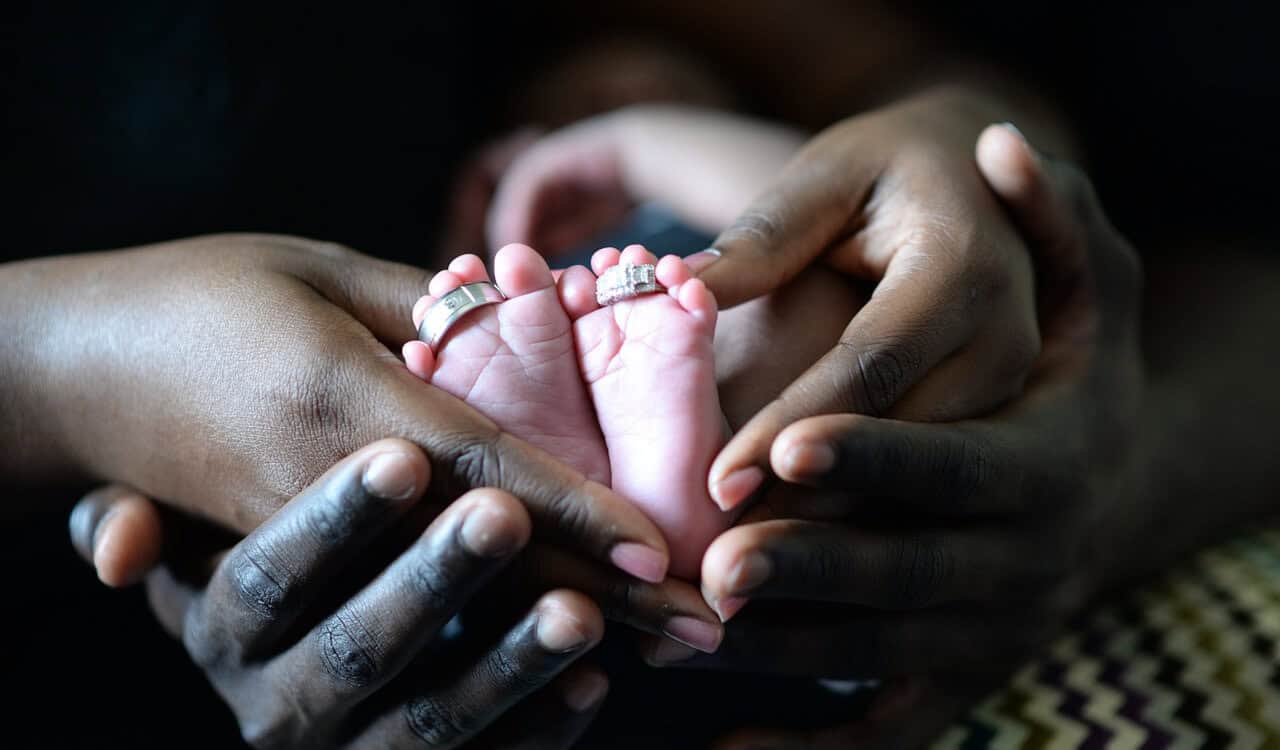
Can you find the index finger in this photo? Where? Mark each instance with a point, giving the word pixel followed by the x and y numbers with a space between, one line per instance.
pixel 907 328
pixel 813 204
pixel 468 451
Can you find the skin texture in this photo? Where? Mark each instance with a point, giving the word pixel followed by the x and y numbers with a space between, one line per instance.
pixel 1017 519
pixel 333 682
pixel 890 198
pixel 1110 447
pixel 516 361
pixel 649 365
pixel 262 360
pixel 301 375
pixel 565 373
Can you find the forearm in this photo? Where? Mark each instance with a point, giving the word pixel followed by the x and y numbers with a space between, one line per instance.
pixel 1212 405
pixel 31 450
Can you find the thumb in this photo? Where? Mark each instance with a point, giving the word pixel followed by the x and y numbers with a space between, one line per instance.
pixel 119 532
pixel 814 204
pixel 377 293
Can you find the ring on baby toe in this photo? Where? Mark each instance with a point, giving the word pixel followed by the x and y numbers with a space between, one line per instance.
pixel 453 307
pixel 627 280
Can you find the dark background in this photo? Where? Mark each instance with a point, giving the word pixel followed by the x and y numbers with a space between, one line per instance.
pixel 133 122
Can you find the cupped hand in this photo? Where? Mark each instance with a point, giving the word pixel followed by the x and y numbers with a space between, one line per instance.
pixel 312 646
pixel 891 198
pixel 940 556
pixel 225 373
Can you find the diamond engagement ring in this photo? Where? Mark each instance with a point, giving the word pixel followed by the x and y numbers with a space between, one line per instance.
pixel 455 306
pixel 625 281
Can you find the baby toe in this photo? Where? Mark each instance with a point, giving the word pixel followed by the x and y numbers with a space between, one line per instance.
pixel 604 259
pixel 577 288
pixel 419 359
pixel 697 300
pixel 672 271
pixel 420 309
pixel 443 283
pixel 519 269
pixel 470 268
pixel 638 255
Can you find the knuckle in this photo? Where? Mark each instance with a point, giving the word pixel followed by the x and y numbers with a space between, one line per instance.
pixel 882 373
pixel 964 469
pixel 505 670
pixel 349 649
pixel 920 567
pixel 316 392
pixel 756 227
pixel 429 579
pixel 829 565
pixel 260 577
pixel 573 519
pixel 436 722
pixel 478 461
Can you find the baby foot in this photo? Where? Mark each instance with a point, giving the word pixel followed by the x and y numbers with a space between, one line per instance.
pixel 515 361
pixel 649 363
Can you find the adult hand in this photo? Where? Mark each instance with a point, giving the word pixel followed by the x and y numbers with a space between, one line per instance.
pixel 225 373
pixel 312 647
pixel 892 198
pixel 963 546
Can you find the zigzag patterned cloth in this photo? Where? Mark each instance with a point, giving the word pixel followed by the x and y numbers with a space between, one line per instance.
pixel 1191 662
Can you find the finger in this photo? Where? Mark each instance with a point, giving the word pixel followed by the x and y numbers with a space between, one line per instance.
pixel 119 532
pixel 961 469
pixel 555 717
pixel 1018 176
pixel 673 608
pixel 265 583
pixel 909 325
pixel 809 561
pixel 171 599
pixel 1055 206
pixel 377 293
pixel 561 628
pixel 816 202
pixel 468 450
pixel 375 634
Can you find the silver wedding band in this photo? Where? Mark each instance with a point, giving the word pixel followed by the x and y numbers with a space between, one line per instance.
pixel 455 306
pixel 625 281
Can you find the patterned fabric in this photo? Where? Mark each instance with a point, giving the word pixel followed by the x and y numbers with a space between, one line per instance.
pixel 1191 662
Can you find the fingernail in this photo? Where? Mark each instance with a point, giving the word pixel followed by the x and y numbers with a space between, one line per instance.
pixel 729 606
pixel 695 633
pixel 640 561
pixel 487 532
pixel 702 259
pixel 750 572
pixel 810 460
pixel 670 652
pixel 585 691
pixel 102 543
pixel 737 486
pixel 1014 129
pixel 390 476
pixel 559 633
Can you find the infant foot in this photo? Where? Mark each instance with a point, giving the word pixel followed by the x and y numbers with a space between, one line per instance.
pixel 649 363
pixel 515 361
